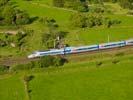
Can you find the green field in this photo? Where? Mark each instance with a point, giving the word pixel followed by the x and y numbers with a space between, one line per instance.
pixel 11 88
pixel 82 80
pixel 86 83
pixel 98 76
pixel 75 37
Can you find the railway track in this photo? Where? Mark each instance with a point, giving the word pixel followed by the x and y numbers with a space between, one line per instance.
pixel 23 60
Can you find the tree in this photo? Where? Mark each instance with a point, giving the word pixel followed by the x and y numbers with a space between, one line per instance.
pixel 46 61
pixel 21 17
pixel 126 3
pixel 8 15
pixel 78 20
pixel 3 2
pixel 51 38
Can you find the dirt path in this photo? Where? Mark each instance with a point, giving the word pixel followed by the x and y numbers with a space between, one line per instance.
pixel 9 32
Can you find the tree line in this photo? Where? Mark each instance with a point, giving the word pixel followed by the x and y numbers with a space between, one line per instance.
pixel 82 5
pixel 43 62
pixel 92 19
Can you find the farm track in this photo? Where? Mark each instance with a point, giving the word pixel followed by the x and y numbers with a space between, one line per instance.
pixel 23 60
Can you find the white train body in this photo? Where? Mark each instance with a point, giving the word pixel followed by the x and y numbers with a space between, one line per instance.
pixel 129 42
pixel 71 50
pixel 85 48
pixel 112 45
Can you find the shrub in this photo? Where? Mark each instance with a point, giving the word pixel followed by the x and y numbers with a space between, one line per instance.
pixel 59 61
pixel 28 78
pixel 4 68
pixel 46 61
pixel 115 61
pixel 119 54
pixel 22 66
pixel 99 64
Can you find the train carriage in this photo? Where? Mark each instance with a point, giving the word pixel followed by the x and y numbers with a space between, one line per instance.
pixel 112 45
pixel 129 42
pixel 85 48
pixel 70 50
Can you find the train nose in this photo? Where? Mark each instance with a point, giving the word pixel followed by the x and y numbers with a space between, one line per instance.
pixel 30 56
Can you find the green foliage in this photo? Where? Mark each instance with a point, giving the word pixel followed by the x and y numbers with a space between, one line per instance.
pixel 8 15
pixel 58 3
pixel 92 19
pixel 79 5
pixel 51 38
pixel 43 62
pixel 115 61
pixel 3 2
pixel 2 43
pixel 20 67
pixel 58 61
pixel 126 3
pixel 99 63
pixel 46 61
pixel 28 78
pixel 4 68
pixel 22 18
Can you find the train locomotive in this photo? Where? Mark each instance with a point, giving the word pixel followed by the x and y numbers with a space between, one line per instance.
pixel 71 50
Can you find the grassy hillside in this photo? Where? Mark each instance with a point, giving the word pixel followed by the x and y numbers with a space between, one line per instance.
pixel 75 36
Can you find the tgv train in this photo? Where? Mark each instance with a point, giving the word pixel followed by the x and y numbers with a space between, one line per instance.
pixel 71 50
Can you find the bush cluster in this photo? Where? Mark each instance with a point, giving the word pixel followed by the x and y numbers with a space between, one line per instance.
pixel 9 15
pixel 90 20
pixel 79 5
pixel 4 69
pixel 44 62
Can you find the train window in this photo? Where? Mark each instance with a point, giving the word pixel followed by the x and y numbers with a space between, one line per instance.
pixel 130 42
pixel 87 48
pixel 114 44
